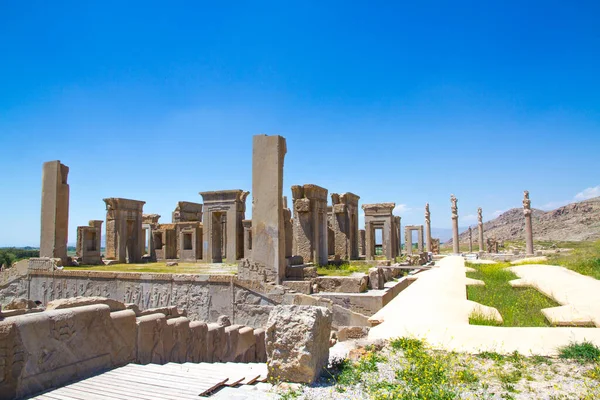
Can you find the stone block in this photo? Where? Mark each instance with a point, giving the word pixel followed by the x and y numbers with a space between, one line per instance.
pixel 352 332
pixel 150 333
pixel 197 345
pixel 215 342
pixel 84 301
pixel 304 287
pixel 297 342
pixel 232 335
pixel 261 351
pixel 20 304
pixel 176 339
pixel 302 205
pixel 342 284
pixel 246 343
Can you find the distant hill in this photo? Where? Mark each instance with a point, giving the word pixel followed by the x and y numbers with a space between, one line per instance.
pixel 573 222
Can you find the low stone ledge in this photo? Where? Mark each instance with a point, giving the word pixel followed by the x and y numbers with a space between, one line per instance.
pixel 342 284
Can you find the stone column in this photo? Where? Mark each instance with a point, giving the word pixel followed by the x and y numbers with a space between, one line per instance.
pixel 470 240
pixel 408 239
pixel 399 219
pixel 480 227
pixel 528 225
pixel 455 242
pixel 268 232
pixel 428 227
pixel 420 238
pixel 55 211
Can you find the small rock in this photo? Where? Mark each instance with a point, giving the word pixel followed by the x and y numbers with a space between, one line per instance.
pixel 172 264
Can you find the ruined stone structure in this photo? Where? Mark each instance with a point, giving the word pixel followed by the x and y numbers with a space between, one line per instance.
pixel 187 212
pixel 428 227
pixel 223 231
pixel 268 229
pixel 345 225
pixel 361 242
pixel 89 243
pixel 480 229
pixel 470 240
pixel 455 242
pixel 149 225
pixel 78 338
pixel 124 235
pixel 247 224
pixel 310 223
pixel 408 229
pixel 492 245
pixel 379 217
pixel 289 229
pixel 398 234
pixel 55 211
pixel 435 246
pixel 528 226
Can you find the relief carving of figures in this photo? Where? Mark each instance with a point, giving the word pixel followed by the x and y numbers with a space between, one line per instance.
pixel 427 214
pixel 44 293
pixel 526 203
pixel 454 202
pixel 127 295
pixel 166 297
pixel 137 297
pixel 155 298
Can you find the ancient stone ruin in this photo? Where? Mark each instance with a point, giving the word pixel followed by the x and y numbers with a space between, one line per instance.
pixel 89 239
pixel 124 235
pixel 408 230
pixel 379 217
pixel 55 211
pixel 310 223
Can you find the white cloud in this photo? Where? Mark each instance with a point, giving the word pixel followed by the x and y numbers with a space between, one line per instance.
pixel 588 193
pixel 401 209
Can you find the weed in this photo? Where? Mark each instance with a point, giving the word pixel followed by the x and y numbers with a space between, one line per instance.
pixel 584 352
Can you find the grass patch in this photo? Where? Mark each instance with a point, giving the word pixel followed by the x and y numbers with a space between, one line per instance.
pixel 584 352
pixel 518 306
pixel 345 269
pixel 161 268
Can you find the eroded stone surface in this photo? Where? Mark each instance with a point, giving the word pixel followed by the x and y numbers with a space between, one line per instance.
pixel 297 342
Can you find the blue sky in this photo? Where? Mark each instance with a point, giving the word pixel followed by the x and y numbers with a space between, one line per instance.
pixel 405 102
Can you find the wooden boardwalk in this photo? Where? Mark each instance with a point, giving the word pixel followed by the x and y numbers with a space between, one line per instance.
pixel 170 381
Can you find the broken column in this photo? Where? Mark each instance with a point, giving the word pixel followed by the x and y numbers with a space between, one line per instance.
pixel 361 242
pixel 247 224
pixel 344 223
pixel 310 223
pixel 288 227
pixel 223 232
pixel 428 227
pixel 55 211
pixel 480 229
pixel 455 242
pixel 528 225
pixel 268 231
pixel 408 239
pixel 379 217
pixel 398 223
pixel 124 235
pixel 470 240
pixel 89 243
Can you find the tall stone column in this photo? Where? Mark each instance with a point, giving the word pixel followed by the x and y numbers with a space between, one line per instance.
pixel 528 225
pixel 428 227
pixel 470 240
pixel 455 243
pixel 55 211
pixel 268 228
pixel 480 228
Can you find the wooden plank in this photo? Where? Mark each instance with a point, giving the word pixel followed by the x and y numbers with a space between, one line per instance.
pixel 199 388
pixel 169 369
pixel 154 391
pixel 83 395
pixel 235 377
pixel 143 393
pixel 174 376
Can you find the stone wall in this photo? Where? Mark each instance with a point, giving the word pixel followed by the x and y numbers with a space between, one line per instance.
pixel 205 297
pixel 51 348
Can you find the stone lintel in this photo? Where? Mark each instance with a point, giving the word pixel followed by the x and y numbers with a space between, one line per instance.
pixel 345 198
pixel 188 207
pixel 150 218
pixel 378 208
pixel 309 191
pixel 124 204
pixel 224 196
pixel 247 223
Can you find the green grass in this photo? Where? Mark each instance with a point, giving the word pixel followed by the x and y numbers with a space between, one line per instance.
pixel 343 270
pixel 584 259
pixel 518 306
pixel 160 268
pixel 584 352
